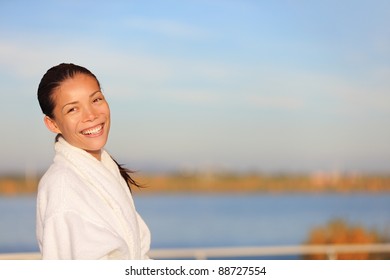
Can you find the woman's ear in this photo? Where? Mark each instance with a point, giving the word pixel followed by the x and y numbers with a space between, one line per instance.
pixel 51 124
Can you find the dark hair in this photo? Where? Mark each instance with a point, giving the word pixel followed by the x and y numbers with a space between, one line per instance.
pixel 52 79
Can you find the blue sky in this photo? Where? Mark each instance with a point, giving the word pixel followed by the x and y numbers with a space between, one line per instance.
pixel 269 86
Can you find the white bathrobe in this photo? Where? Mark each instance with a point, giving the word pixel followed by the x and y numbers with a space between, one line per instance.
pixel 85 210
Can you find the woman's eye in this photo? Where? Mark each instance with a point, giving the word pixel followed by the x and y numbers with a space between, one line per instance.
pixel 73 109
pixel 97 99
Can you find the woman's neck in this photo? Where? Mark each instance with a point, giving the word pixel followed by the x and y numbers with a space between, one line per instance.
pixel 96 154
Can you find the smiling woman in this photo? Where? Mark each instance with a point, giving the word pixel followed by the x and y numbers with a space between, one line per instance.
pixel 85 208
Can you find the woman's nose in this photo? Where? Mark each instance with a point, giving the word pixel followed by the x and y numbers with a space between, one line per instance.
pixel 89 114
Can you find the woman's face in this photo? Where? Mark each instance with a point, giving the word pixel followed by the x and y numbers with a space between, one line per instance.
pixel 81 114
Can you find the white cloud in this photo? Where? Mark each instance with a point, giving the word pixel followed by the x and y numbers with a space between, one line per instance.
pixel 29 60
pixel 276 102
pixel 323 92
pixel 193 96
pixel 166 27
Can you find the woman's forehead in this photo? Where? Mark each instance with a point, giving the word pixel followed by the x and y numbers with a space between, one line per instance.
pixel 79 86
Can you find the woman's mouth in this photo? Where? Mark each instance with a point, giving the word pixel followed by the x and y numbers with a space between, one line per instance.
pixel 93 131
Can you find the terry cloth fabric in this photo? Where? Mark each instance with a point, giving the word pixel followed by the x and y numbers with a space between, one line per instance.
pixel 85 209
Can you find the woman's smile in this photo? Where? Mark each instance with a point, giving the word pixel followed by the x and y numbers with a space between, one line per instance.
pixel 93 131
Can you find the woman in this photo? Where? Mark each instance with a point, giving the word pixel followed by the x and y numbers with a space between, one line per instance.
pixel 84 206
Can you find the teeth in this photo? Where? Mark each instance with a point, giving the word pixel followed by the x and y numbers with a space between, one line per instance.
pixel 91 131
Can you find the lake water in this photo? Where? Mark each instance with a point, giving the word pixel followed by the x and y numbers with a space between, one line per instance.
pixel 188 220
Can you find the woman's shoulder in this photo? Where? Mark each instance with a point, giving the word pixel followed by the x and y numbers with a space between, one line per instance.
pixel 59 179
pixel 60 189
pixel 58 173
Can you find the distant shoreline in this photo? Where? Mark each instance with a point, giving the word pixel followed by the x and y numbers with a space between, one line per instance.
pixel 228 182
